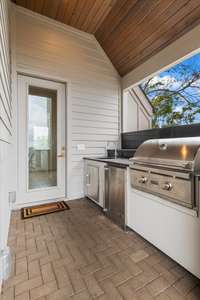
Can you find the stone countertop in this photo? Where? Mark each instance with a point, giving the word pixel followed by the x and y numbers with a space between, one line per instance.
pixel 114 161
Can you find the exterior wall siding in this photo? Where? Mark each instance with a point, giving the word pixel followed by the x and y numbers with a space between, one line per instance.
pixel 5 91
pixel 5 125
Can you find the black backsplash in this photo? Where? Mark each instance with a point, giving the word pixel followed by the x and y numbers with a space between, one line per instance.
pixel 131 140
pixel 122 153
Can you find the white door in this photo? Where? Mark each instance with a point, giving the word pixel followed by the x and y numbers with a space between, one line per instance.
pixel 41 140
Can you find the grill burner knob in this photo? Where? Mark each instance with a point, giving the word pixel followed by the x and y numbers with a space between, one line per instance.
pixel 167 186
pixel 143 179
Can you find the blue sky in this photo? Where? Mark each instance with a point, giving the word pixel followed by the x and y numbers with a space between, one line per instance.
pixel 173 79
pixel 193 64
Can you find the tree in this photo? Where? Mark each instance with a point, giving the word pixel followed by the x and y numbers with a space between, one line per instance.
pixel 175 95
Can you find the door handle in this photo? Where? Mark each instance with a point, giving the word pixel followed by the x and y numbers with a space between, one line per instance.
pixel 87 179
pixel 106 191
pixel 62 155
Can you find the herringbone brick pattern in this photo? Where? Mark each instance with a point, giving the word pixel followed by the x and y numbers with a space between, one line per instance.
pixel 80 255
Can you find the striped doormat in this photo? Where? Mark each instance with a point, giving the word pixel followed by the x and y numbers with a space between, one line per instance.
pixel 43 209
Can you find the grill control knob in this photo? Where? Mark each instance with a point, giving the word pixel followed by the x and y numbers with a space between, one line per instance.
pixel 143 179
pixel 167 186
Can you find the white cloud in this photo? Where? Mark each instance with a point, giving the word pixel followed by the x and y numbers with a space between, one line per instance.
pixel 166 80
pixel 178 108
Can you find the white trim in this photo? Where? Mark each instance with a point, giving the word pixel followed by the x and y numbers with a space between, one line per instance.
pixel 25 204
pixel 183 48
pixel 18 206
pixel 68 121
pixel 140 106
pixel 60 189
pixel 68 133
pixel 67 82
pixel 44 76
pixel 56 24
pixel 137 92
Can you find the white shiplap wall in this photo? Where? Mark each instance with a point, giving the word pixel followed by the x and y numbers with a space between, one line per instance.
pixel 5 125
pixel 49 49
pixel 5 91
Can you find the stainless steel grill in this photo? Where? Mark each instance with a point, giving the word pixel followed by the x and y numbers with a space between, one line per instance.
pixel 169 168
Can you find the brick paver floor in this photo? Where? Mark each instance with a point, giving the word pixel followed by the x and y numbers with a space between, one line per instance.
pixel 79 255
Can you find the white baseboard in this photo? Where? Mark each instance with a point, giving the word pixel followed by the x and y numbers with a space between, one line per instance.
pixel 75 196
pixel 17 206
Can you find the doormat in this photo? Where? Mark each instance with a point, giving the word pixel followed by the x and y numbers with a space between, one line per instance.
pixel 43 209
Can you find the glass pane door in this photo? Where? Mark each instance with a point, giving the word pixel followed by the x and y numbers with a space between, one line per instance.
pixel 42 138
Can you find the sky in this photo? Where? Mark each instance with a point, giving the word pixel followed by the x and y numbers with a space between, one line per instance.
pixel 192 64
pixel 174 77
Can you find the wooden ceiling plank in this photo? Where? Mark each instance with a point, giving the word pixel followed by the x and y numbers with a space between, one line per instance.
pixel 50 8
pixel 134 17
pixel 180 22
pixel 45 7
pixel 91 15
pixel 61 10
pixel 174 15
pixel 21 3
pixel 102 14
pixel 84 12
pixel 71 7
pixel 194 22
pixel 102 9
pixel 135 22
pixel 38 5
pixel 114 18
pixel 77 13
pixel 151 23
pixel 30 5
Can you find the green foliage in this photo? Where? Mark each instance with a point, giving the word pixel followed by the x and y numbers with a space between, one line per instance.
pixel 175 99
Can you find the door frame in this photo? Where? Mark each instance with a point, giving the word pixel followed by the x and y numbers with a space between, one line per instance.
pixel 67 84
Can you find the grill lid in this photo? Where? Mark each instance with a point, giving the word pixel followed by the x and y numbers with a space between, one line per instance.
pixel 181 153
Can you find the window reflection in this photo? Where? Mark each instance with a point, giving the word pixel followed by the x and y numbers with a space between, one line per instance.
pixel 42 137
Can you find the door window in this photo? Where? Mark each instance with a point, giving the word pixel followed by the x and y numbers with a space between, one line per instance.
pixel 42 137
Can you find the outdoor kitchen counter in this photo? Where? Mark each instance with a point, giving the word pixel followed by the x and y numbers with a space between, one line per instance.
pixel 114 161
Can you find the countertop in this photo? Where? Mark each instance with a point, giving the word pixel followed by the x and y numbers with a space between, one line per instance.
pixel 114 161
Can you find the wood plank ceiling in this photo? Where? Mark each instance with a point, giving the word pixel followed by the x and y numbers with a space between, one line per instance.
pixel 130 31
